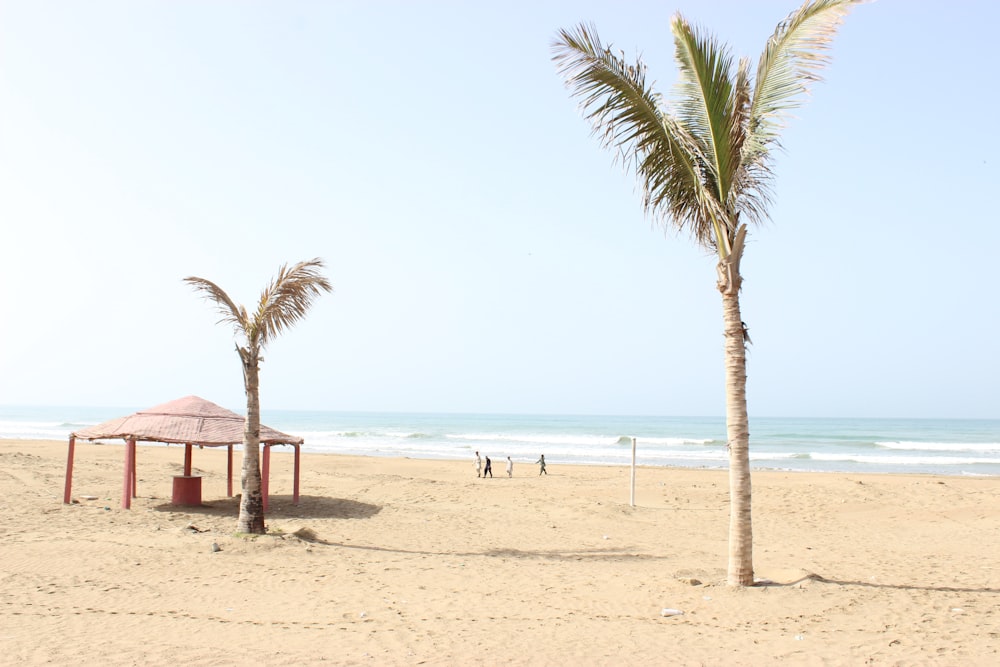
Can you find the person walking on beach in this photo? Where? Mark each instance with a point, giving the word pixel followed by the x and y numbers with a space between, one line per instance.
pixel 479 465
pixel 541 464
pixel 488 468
pixel 510 467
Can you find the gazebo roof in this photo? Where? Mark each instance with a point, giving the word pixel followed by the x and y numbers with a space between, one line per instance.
pixel 188 420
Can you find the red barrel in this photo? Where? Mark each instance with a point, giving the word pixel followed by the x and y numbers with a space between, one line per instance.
pixel 187 490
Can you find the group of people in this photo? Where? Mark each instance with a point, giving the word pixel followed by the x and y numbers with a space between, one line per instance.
pixel 488 470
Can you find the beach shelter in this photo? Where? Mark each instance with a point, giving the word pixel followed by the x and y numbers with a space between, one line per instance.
pixel 188 421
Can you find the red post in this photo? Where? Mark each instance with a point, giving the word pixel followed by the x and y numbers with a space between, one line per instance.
pixel 187 460
pixel 69 472
pixel 265 475
pixel 134 457
pixel 295 488
pixel 229 474
pixel 129 467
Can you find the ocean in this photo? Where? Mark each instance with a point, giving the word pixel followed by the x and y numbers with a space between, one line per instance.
pixel 938 446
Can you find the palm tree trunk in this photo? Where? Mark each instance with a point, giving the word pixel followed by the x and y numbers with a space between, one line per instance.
pixel 252 502
pixel 740 572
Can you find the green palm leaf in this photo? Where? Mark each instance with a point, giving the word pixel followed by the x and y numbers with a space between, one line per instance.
pixel 282 303
pixel 791 61
pixel 627 116
pixel 287 298
pixel 705 104
pixel 231 313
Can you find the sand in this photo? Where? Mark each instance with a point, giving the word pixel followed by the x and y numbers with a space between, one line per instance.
pixel 414 562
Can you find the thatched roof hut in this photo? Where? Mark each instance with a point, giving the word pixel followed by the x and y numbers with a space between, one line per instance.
pixel 189 421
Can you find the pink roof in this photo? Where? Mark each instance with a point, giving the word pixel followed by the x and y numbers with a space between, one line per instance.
pixel 186 420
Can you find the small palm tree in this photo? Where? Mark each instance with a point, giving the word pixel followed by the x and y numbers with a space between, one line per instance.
pixel 705 167
pixel 282 303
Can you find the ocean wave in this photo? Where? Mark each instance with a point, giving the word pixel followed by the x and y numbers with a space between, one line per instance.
pixel 404 435
pixel 34 430
pixel 370 435
pixel 903 461
pixel 980 447
pixel 538 438
pixel 325 435
pixel 667 442
pixel 579 440
pixel 673 442
pixel 776 456
pixel 27 425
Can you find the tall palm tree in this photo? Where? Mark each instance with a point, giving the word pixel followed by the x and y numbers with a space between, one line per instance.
pixel 705 167
pixel 282 303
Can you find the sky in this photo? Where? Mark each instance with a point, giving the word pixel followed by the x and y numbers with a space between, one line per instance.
pixel 486 254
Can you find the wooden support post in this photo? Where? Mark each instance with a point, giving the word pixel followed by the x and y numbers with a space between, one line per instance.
pixel 229 472
pixel 187 459
pixel 129 475
pixel 265 475
pixel 68 492
pixel 295 487
pixel 632 487
pixel 134 477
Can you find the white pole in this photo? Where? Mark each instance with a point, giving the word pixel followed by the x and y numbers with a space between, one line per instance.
pixel 632 494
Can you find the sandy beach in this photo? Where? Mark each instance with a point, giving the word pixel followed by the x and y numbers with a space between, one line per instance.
pixel 417 562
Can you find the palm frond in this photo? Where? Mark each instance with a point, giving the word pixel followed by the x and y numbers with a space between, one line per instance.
pixel 791 61
pixel 231 313
pixel 750 191
pixel 287 298
pixel 706 102
pixel 627 116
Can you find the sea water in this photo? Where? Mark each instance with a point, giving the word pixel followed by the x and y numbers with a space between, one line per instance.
pixel 938 446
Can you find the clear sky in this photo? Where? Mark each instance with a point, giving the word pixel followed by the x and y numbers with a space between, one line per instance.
pixel 486 254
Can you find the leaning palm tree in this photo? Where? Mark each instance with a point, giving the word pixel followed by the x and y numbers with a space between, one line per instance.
pixel 282 303
pixel 705 167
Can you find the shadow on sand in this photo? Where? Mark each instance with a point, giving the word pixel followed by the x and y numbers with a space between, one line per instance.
pixel 871 584
pixel 281 507
pixel 566 555
pixel 319 507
